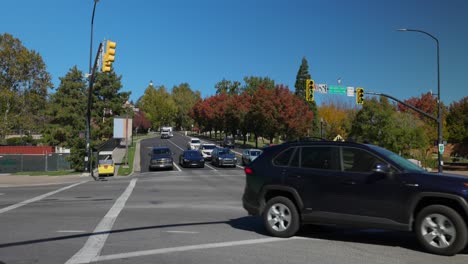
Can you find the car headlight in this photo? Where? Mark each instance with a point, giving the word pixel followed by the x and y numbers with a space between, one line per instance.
pixel 202 159
pixel 235 158
pixel 186 160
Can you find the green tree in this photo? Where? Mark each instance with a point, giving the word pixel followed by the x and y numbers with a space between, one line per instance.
pixel 184 99
pixel 67 118
pixel 229 87
pixel 457 121
pixel 24 82
pixel 159 106
pixel 301 77
pixel 254 83
pixel 379 123
pixel 108 101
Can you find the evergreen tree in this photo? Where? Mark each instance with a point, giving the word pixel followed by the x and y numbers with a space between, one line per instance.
pixel 108 102
pixel 301 77
pixel 67 118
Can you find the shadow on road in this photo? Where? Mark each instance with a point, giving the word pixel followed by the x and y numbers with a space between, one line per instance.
pixel 255 224
pixel 364 236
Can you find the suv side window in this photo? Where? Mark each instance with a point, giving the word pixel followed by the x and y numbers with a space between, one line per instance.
pixel 358 160
pixel 323 158
pixel 283 158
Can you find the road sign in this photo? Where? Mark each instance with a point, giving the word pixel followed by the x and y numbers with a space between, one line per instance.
pixel 441 148
pixel 350 91
pixel 336 89
pixel 321 88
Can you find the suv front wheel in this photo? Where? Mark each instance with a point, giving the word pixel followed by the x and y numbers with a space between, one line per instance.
pixel 441 230
pixel 280 217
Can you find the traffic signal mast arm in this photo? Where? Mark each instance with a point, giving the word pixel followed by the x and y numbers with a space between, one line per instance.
pixel 405 104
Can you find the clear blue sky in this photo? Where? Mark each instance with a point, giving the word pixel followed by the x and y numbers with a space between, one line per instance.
pixel 203 41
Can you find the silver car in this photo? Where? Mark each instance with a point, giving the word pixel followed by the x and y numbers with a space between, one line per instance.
pixel 250 155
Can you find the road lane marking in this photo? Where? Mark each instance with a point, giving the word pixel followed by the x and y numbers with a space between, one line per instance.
pixel 170 141
pixel 93 246
pixel 38 198
pixel 176 166
pixel 192 247
pixel 213 168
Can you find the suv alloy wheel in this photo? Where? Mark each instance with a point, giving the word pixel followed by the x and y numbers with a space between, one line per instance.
pixel 280 217
pixel 441 230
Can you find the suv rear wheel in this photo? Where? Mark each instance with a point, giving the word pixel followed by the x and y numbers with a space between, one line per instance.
pixel 280 217
pixel 441 230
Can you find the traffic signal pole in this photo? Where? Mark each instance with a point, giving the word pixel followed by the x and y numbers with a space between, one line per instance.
pixel 88 161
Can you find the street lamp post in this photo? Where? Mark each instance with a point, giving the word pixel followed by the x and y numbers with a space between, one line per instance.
pixel 439 109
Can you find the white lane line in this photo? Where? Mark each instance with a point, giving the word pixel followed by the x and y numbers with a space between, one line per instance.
pixel 182 232
pixel 170 141
pixel 71 231
pixel 213 168
pixel 176 166
pixel 92 248
pixel 193 247
pixel 40 197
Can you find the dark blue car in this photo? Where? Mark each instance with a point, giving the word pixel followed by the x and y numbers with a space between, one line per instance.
pixel 191 158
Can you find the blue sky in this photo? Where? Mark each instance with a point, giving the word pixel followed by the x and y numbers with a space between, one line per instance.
pixel 202 42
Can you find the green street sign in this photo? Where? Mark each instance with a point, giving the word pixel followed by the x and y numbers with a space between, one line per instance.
pixel 332 89
pixel 441 148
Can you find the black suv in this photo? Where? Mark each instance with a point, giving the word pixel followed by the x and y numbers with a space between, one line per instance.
pixel 356 185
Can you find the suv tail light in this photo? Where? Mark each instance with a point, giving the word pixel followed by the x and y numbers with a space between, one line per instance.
pixel 248 170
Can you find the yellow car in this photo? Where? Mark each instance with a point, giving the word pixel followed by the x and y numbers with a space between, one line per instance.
pixel 106 164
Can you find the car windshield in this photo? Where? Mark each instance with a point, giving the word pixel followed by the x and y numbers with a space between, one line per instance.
pixel 402 162
pixel 193 154
pixel 195 141
pixel 209 146
pixel 225 152
pixel 255 153
pixel 161 151
pixel 105 162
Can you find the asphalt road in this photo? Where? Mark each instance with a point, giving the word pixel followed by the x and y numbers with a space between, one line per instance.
pixel 190 216
pixel 177 144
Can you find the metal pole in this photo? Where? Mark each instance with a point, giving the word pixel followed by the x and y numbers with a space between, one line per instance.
pixel 88 165
pixel 91 43
pixel 439 109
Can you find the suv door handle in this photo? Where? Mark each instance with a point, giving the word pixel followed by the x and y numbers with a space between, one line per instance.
pixel 349 182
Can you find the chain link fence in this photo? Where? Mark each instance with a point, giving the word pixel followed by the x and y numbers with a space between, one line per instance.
pixel 11 163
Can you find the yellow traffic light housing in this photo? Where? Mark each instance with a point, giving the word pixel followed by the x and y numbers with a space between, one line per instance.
pixel 109 56
pixel 360 95
pixel 309 90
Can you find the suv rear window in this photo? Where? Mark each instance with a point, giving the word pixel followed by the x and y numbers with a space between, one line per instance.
pixel 283 158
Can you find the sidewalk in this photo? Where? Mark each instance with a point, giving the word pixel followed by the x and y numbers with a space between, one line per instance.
pixel 8 180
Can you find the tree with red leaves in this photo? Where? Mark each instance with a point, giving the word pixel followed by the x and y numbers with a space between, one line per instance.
pixel 140 122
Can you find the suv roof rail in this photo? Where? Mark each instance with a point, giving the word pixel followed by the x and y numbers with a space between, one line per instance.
pixel 302 139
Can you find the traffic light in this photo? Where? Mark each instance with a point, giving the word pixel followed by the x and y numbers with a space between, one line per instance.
pixel 360 95
pixel 309 90
pixel 109 56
